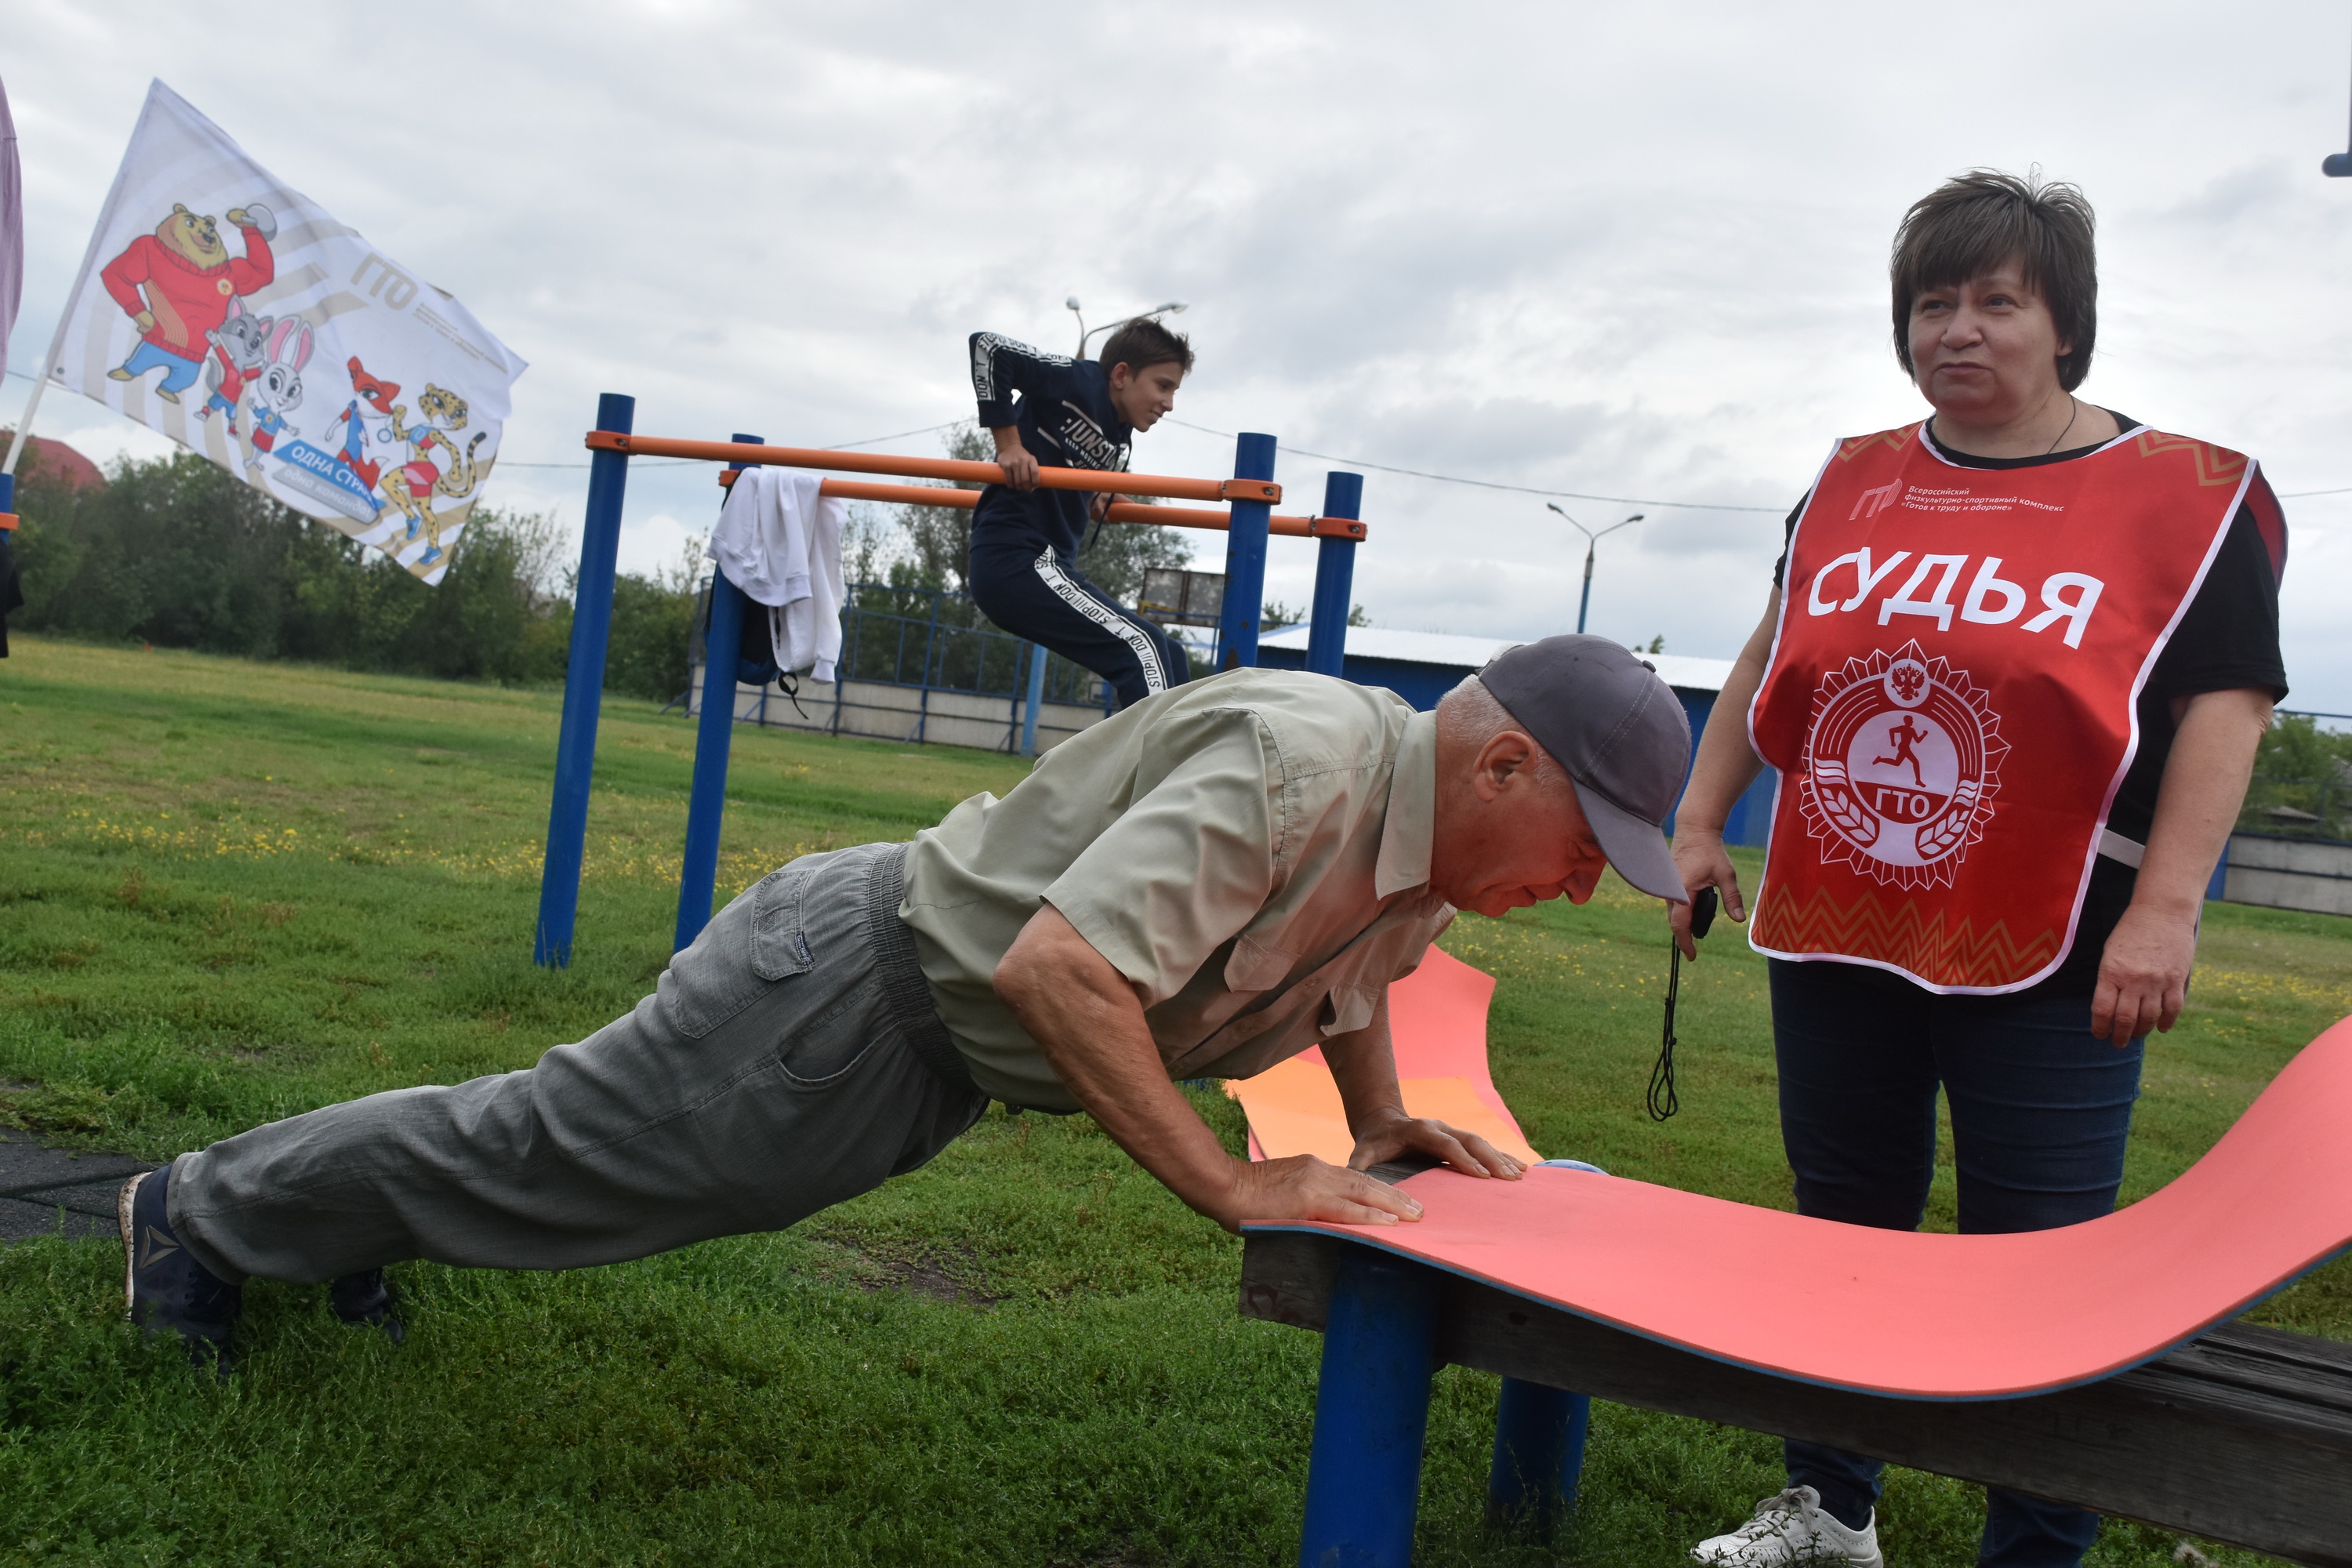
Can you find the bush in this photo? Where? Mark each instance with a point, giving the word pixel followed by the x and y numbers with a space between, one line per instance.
pixel 178 553
pixel 2303 782
pixel 653 624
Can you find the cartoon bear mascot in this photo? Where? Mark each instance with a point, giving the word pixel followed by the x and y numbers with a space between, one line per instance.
pixel 190 277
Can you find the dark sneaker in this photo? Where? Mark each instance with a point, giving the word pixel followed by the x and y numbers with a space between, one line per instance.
pixel 162 1287
pixel 366 1297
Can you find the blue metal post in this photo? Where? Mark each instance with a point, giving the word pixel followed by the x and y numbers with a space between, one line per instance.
pixel 1538 1454
pixel 1371 1410
pixel 1037 699
pixel 698 877
pixel 583 688
pixel 1245 557
pixel 7 492
pixel 1335 578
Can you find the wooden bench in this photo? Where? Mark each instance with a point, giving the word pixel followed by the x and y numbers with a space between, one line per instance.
pixel 2245 1435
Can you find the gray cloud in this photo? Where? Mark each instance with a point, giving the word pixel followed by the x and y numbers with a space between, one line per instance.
pixel 1624 249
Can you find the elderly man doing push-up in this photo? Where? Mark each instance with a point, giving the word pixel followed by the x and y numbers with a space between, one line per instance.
pixel 1204 884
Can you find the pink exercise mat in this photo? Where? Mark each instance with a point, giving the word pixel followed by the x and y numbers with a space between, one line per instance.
pixel 1437 1028
pixel 1919 1316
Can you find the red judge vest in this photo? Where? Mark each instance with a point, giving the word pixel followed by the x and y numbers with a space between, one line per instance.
pixel 1952 697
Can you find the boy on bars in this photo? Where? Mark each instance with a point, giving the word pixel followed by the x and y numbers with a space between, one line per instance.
pixel 1072 414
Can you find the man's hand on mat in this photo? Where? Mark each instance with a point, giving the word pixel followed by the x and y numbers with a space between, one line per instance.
pixel 2143 975
pixel 1395 1133
pixel 1302 1187
pixel 1701 862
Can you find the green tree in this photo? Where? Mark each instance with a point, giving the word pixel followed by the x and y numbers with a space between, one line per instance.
pixel 177 552
pixel 2303 782
pixel 653 628
pixel 1276 614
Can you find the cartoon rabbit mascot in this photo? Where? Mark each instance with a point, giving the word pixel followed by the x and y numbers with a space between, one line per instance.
pixel 278 390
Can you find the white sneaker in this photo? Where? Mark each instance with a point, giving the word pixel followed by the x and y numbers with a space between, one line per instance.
pixel 1792 1527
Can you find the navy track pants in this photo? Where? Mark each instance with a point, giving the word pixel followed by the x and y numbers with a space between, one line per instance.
pixel 1033 591
pixel 2041 1114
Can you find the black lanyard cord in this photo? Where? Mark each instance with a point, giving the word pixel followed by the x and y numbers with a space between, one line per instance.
pixel 1662 1102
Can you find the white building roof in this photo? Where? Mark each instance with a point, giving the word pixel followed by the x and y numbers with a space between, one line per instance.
pixel 1444 648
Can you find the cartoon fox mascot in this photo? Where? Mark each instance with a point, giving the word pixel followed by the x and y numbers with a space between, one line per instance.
pixel 190 279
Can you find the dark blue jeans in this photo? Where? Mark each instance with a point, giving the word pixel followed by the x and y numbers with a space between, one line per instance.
pixel 2041 1111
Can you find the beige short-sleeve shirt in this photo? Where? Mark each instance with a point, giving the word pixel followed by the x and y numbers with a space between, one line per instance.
pixel 1251 851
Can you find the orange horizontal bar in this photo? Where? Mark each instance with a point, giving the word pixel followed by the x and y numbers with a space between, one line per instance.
pixel 7 520
pixel 1120 511
pixel 1264 490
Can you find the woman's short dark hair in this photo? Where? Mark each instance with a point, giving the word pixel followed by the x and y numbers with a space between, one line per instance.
pixel 1973 223
pixel 1142 344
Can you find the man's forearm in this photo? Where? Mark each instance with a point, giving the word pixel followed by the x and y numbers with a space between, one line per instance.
pixel 1364 1064
pixel 1091 1024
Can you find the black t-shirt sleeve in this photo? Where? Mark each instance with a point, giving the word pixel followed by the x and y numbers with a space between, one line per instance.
pixel 1787 532
pixel 2227 640
pixel 2229 636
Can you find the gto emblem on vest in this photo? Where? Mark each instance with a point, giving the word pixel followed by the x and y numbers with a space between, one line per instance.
pixel 1901 766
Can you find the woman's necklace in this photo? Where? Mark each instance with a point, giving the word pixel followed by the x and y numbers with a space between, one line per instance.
pixel 2070 426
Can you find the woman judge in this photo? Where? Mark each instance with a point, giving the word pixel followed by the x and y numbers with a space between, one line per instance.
pixel 2014 671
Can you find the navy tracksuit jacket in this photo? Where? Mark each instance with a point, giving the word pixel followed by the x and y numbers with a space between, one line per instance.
pixel 1024 568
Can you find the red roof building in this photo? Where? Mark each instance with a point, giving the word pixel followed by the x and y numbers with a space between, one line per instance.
pixel 52 460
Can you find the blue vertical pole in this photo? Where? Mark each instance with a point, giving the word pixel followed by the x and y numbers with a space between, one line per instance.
pixel 1335 578
pixel 1538 1454
pixel 698 877
pixel 1036 699
pixel 583 688
pixel 1371 1411
pixel 1245 557
pixel 8 499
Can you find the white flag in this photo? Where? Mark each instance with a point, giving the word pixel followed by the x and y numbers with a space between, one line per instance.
pixel 237 317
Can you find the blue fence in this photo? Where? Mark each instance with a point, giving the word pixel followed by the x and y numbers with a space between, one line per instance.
pixel 927 639
pixel 922 636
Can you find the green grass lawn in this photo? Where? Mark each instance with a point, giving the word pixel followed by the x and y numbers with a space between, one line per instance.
pixel 230 892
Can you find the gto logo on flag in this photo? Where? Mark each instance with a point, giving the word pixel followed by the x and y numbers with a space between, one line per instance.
pixel 1901 766
pixel 237 317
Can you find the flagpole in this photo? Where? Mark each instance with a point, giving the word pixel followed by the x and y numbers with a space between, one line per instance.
pixel 40 385
pixel 81 279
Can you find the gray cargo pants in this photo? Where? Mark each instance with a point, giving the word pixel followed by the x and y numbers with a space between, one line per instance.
pixel 788 1060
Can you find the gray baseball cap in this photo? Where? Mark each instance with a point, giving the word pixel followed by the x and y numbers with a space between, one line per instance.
pixel 1620 732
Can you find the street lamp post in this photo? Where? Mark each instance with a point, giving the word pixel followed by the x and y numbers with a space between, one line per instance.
pixel 1592 543
pixel 1071 305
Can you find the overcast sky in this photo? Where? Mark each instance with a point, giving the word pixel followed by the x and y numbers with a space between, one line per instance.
pixel 1624 249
